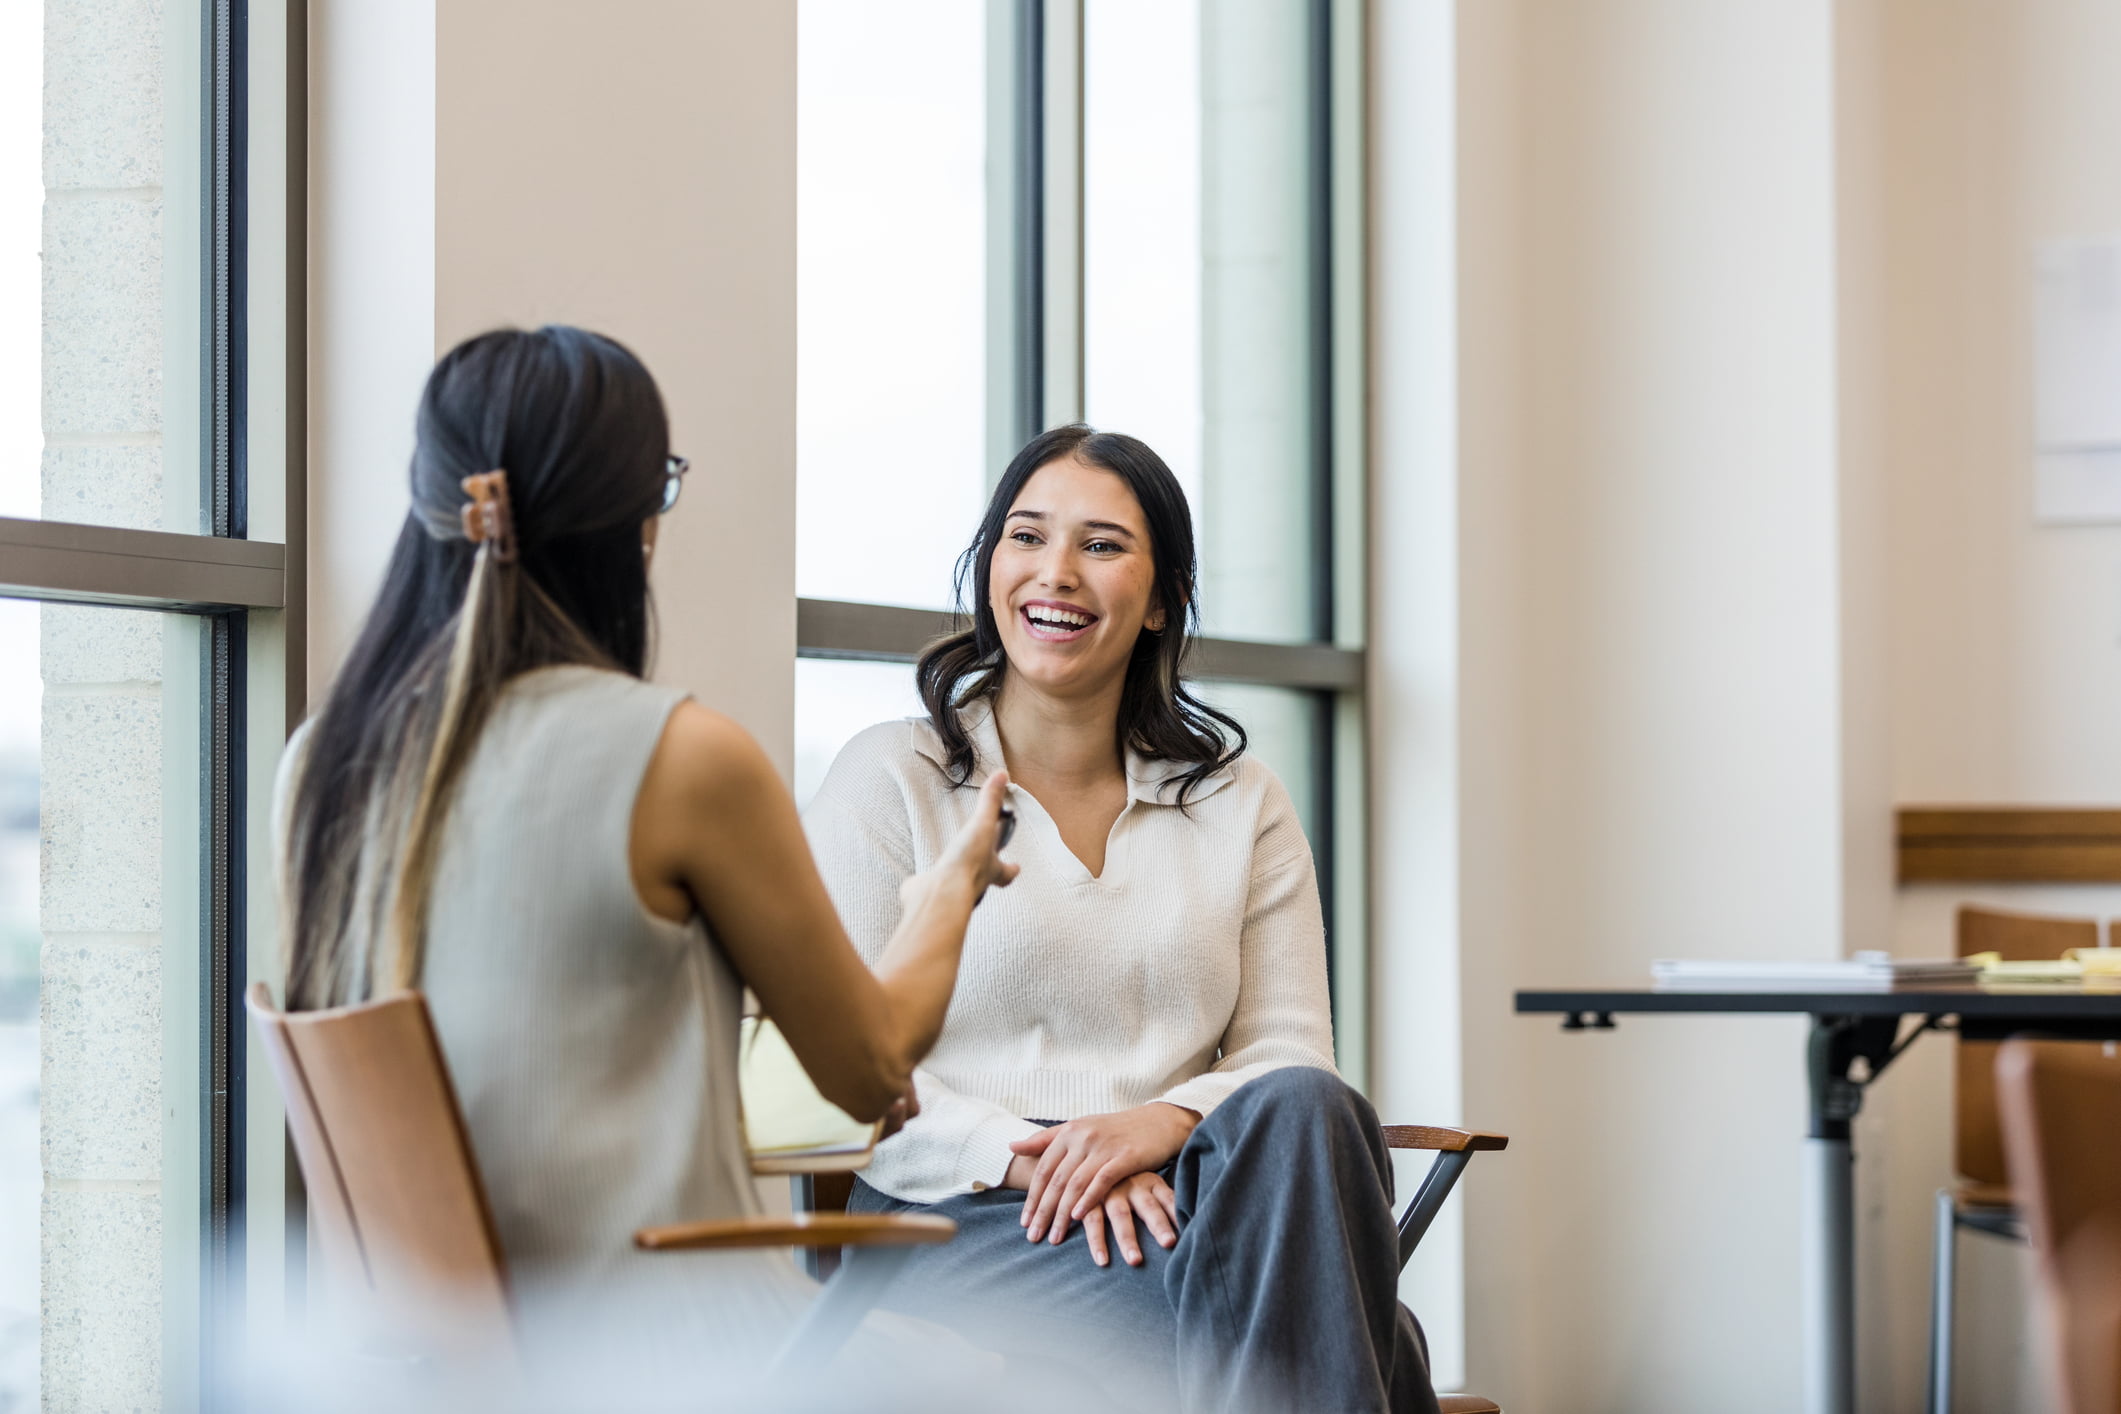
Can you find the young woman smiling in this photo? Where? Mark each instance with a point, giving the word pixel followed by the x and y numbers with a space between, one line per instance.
pixel 1140 1048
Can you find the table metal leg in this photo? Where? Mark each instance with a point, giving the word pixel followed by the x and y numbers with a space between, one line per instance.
pixel 1829 1278
pixel 1837 1042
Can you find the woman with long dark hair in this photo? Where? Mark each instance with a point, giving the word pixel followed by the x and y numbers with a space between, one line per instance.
pixel 1140 1047
pixel 582 870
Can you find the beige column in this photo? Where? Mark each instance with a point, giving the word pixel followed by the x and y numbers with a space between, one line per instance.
pixel 1626 690
pixel 636 175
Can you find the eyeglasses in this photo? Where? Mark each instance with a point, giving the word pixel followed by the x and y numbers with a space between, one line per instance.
pixel 674 469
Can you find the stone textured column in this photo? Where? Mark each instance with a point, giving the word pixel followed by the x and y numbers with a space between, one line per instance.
pixel 101 795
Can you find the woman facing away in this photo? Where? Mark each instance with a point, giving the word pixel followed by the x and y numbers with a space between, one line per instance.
pixel 1140 1047
pixel 583 870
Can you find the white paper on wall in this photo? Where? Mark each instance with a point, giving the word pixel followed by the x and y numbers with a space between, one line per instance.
pixel 2077 389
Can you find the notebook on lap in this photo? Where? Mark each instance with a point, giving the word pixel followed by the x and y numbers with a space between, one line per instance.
pixel 788 1126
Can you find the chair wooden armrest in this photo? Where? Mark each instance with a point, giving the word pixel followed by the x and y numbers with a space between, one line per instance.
pixel 1454 1149
pixel 801 1230
pixel 1466 1404
pixel 1441 1137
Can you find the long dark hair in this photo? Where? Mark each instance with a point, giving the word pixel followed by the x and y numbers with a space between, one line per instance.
pixel 1158 717
pixel 577 426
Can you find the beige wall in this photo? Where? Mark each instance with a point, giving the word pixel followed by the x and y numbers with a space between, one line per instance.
pixel 478 163
pixel 1658 669
pixel 637 176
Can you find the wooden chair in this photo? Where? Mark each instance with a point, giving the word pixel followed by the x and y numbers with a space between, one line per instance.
pixel 1454 1149
pixel 2061 1113
pixel 399 1214
pixel 1980 1197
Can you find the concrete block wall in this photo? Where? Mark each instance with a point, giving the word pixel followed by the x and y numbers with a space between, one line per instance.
pixel 100 1013
pixel 100 895
pixel 102 238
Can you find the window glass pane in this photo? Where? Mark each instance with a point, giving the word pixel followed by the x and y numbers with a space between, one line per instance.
pixel 99 263
pixel 98 949
pixel 890 296
pixel 834 700
pixel 21 1173
pixel 1282 728
pixel 21 202
pixel 1142 227
pixel 1197 281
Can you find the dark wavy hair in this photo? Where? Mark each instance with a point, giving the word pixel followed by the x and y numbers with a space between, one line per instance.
pixel 577 425
pixel 1158 717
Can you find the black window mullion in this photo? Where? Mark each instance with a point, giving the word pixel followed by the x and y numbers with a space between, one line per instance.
pixel 223 644
pixel 1028 286
pixel 1319 273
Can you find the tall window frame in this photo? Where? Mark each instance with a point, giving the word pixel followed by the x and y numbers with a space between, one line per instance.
pixel 1035 350
pixel 229 1278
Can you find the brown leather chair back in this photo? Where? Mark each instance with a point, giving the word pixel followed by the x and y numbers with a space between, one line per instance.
pixel 2062 1129
pixel 396 1208
pixel 2018 937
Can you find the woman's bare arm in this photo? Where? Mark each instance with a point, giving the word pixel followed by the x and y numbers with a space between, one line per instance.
pixel 715 831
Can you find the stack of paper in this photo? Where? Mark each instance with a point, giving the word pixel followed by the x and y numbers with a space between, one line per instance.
pixel 1865 972
pixel 2077 967
pixel 788 1126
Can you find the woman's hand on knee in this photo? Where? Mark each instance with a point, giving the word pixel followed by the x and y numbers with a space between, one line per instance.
pixel 1146 1197
pixel 1080 1162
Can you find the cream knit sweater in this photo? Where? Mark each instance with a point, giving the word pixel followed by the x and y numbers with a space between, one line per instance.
pixel 1195 962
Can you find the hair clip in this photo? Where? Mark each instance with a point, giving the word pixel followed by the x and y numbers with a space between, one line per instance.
pixel 488 518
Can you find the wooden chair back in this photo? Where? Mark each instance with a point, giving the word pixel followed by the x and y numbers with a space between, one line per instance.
pixel 1977 1137
pixel 396 1207
pixel 2062 1130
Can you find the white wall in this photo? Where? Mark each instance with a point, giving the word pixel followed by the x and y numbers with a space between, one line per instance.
pixel 1416 708
pixel 371 296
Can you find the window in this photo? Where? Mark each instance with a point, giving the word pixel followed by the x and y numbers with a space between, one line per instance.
pixel 891 231
pixel 1171 209
pixel 1200 286
pixel 143 578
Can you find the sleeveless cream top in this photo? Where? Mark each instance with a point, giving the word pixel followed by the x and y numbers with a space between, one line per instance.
pixel 594 1049
pixel 592 1043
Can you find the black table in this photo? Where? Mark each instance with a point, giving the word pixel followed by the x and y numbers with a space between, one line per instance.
pixel 1848 1026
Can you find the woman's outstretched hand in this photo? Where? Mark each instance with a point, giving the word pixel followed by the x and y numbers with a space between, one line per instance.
pixel 1077 1165
pixel 972 861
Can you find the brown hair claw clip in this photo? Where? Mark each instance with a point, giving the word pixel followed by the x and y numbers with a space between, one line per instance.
pixel 487 517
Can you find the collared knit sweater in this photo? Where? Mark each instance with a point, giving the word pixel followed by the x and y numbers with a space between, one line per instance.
pixel 1193 963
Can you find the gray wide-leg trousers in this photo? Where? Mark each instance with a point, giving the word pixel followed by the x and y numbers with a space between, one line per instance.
pixel 1281 1293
